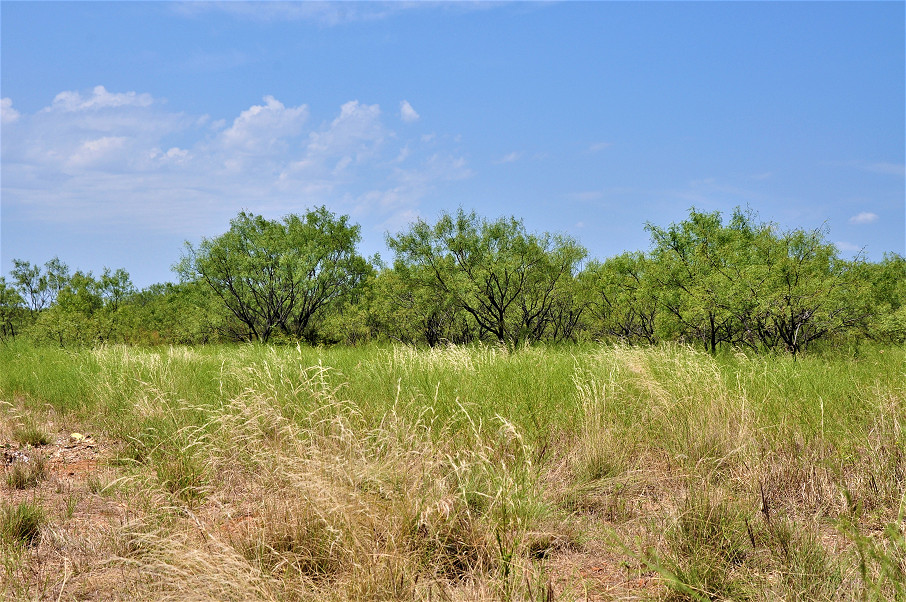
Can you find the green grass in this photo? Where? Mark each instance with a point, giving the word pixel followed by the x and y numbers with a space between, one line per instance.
pixel 31 434
pixel 460 473
pixel 22 523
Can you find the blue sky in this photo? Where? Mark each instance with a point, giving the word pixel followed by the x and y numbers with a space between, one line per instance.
pixel 128 128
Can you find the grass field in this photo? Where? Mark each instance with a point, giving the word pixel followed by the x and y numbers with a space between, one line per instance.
pixel 386 473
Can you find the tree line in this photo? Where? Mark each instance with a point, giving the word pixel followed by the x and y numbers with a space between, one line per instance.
pixel 739 283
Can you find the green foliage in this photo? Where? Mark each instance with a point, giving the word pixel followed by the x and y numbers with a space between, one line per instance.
pixel 810 293
pixel 85 310
pixel 39 288
pixel 721 284
pixel 746 284
pixel 12 310
pixel 278 275
pixel 887 280
pixel 46 375
pixel 700 266
pixel 403 312
pixel 185 314
pixel 114 288
pixel 622 298
pixel 508 281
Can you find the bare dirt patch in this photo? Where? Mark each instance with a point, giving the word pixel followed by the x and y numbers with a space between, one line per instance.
pixel 72 487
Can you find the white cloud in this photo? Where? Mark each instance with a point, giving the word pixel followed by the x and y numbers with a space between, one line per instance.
pixel 173 156
pixel 260 128
pixel 407 113
pixel 599 146
pixel 105 157
pixel 864 218
pixel 97 151
pixel 100 98
pixel 7 113
pixel 357 130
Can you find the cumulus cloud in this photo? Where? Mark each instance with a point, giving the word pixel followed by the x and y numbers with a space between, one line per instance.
pixel 87 131
pixel 125 156
pixel 407 113
pixel 7 113
pixel 356 130
pixel 864 217
pixel 260 128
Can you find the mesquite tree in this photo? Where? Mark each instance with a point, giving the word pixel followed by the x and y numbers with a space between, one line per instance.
pixel 508 281
pixel 275 276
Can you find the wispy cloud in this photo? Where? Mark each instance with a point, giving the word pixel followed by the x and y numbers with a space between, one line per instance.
pixel 599 146
pixel 892 169
pixel 105 157
pixel 864 217
pixel 323 13
pixel 713 192
pixel 878 167
pixel 847 247
pixel 587 195
pixel 510 157
pixel 99 98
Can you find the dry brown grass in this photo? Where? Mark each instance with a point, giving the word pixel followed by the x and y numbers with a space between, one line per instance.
pixel 673 481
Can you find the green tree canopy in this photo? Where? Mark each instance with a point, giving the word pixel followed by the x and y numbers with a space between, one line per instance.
pixel 39 288
pixel 747 283
pixel 11 308
pixel 505 278
pixel 277 275
pixel 622 297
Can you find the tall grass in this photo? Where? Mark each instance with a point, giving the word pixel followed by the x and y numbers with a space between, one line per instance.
pixel 460 473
